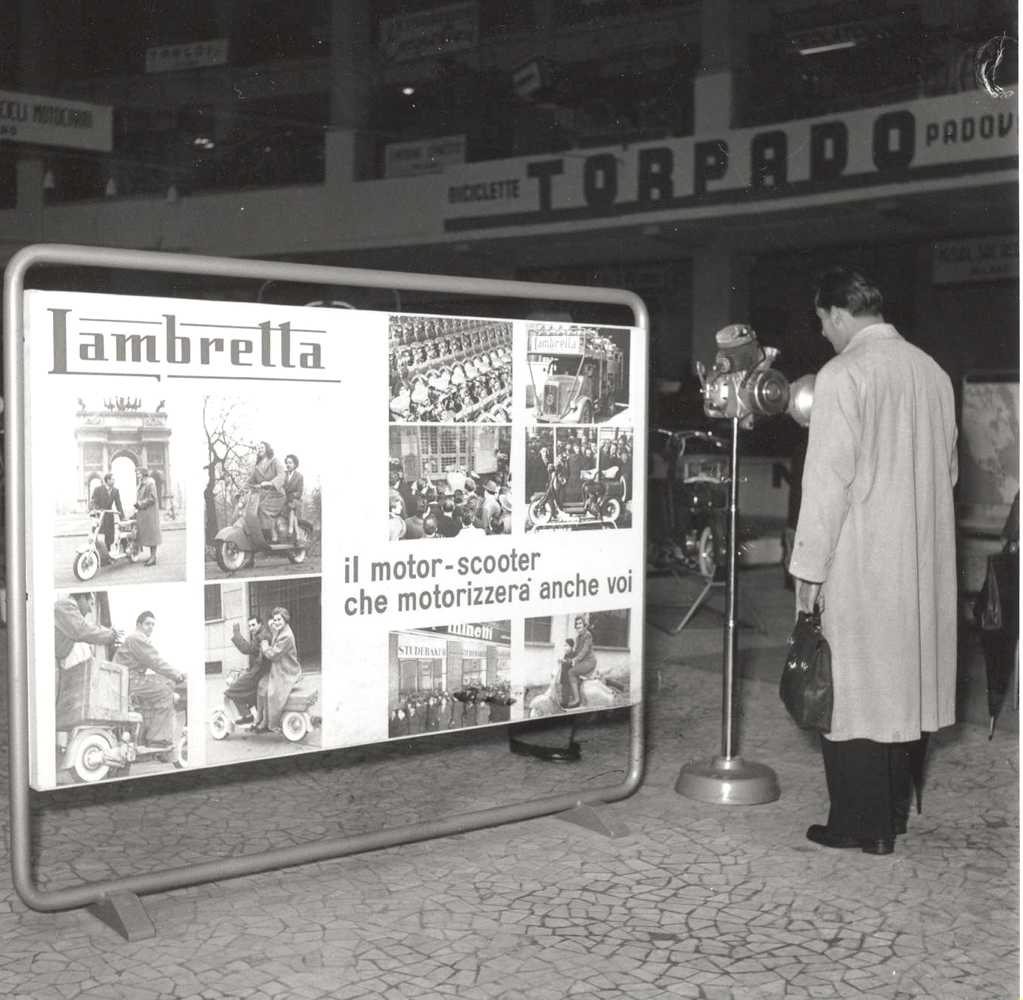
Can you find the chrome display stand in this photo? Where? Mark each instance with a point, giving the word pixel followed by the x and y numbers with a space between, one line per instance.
pixel 728 779
pixel 116 900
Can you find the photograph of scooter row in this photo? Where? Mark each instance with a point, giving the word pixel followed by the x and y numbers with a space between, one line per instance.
pixel 262 498
pixel 578 478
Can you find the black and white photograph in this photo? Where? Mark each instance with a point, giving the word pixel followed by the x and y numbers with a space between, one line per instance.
pixel 577 374
pixel 447 369
pixel 262 497
pixel 449 677
pixel 701 317
pixel 449 482
pixel 121 683
pixel 579 661
pixel 263 668
pixel 120 516
pixel 578 478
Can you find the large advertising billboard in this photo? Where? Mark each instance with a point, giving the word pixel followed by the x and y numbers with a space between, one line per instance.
pixel 224 501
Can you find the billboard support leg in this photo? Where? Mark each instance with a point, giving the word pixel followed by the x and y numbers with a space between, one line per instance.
pixel 124 912
pixel 590 819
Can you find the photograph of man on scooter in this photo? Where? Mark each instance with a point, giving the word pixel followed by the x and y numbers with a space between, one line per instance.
pixel 121 706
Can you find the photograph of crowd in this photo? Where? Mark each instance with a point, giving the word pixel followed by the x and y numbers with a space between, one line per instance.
pixel 446 369
pixel 120 515
pixel 577 661
pixel 121 691
pixel 262 501
pixel 263 668
pixel 578 478
pixel 449 481
pixel 449 677
pixel 577 374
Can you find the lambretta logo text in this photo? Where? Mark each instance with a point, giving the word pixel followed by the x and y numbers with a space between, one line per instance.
pixel 267 346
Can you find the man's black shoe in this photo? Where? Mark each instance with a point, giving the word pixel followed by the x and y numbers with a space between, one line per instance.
pixel 826 838
pixel 883 845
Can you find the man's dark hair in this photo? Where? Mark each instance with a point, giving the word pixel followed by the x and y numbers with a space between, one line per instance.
pixel 844 288
pixel 142 617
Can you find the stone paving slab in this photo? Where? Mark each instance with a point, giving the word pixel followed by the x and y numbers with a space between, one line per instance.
pixel 696 901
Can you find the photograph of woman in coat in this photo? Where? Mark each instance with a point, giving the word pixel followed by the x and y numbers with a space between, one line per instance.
pixel 285 670
pixel 147 506
pixel 267 476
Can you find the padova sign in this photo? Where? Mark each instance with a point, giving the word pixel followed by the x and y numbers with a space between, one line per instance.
pixel 53 121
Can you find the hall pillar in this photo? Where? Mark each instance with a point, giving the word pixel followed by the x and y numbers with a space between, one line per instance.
pixel 720 296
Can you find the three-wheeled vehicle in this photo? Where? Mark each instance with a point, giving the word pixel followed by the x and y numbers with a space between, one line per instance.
pixel 600 504
pixel 99 725
pixel 89 555
pixel 575 377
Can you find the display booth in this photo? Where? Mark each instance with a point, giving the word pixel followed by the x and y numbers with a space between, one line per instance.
pixel 207 580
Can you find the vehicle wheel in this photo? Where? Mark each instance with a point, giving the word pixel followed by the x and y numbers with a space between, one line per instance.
pixel 87 757
pixel 220 725
pixel 613 509
pixel 181 750
pixel 540 512
pixel 86 564
pixel 230 558
pixel 295 726
pixel 708 554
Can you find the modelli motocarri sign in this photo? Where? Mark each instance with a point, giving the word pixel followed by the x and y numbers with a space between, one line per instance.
pixel 229 507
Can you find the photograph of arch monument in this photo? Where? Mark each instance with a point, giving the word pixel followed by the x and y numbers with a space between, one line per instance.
pixel 120 508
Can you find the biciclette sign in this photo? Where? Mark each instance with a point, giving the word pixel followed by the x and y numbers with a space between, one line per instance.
pixel 225 501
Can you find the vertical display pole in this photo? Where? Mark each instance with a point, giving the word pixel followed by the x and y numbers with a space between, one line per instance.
pixel 732 600
pixel 728 779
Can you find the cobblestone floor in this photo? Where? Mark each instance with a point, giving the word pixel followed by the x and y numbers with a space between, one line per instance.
pixel 696 901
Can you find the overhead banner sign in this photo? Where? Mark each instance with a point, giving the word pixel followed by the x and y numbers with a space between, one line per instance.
pixel 428 34
pixel 53 121
pixel 978 258
pixel 189 55
pixel 423 156
pixel 908 144
pixel 217 571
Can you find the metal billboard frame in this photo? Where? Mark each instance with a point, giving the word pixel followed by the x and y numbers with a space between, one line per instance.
pixel 116 900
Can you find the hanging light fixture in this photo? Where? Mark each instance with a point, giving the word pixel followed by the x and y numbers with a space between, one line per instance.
pixel 111 188
pixel 49 180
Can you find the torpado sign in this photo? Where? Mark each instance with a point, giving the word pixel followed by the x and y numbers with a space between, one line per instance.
pixel 920 141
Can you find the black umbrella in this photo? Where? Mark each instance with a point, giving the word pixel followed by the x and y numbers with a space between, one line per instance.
pixel 997 614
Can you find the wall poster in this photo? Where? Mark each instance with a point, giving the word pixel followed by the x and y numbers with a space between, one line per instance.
pixel 217 571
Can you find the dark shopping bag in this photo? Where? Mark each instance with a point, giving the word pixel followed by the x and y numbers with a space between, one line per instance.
pixel 805 686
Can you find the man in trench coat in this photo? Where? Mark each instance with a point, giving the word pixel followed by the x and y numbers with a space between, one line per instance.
pixel 875 543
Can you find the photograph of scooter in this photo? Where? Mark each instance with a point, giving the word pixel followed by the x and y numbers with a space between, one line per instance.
pixel 121 690
pixel 580 661
pixel 121 518
pixel 578 478
pixel 263 657
pixel 262 495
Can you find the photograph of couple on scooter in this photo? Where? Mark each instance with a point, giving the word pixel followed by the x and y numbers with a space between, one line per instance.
pixel 257 697
pixel 106 501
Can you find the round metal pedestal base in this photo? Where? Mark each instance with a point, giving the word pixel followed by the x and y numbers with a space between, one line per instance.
pixel 730 782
